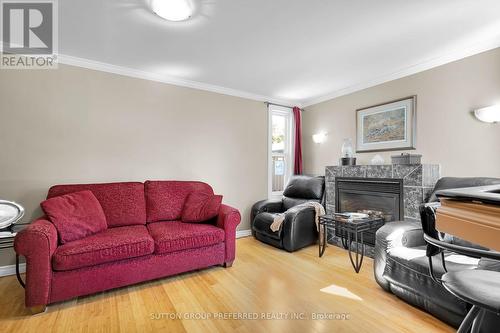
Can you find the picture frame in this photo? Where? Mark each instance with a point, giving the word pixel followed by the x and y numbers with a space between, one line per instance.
pixel 387 126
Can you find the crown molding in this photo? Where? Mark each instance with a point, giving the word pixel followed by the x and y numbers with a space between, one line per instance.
pixel 414 69
pixel 454 55
pixel 150 76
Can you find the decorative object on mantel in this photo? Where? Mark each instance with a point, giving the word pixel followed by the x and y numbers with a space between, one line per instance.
pixel 387 126
pixel 406 159
pixel 347 156
pixel 377 160
pixel 348 161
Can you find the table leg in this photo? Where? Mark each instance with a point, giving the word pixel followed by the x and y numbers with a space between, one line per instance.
pixel 362 252
pixel 322 240
pixel 357 250
pixel 18 274
pixel 356 264
pixel 344 240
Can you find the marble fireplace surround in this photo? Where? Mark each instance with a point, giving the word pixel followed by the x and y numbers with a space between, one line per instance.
pixel 418 182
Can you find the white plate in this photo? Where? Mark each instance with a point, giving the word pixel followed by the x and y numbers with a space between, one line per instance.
pixel 10 212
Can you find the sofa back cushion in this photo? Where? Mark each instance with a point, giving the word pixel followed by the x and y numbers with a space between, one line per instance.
pixel 301 189
pixel 305 187
pixel 122 203
pixel 165 199
pixel 75 215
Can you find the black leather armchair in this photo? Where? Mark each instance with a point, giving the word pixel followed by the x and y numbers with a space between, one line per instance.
pixel 401 265
pixel 299 228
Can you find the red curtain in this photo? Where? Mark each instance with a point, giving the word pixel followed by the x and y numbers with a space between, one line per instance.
pixel 297 165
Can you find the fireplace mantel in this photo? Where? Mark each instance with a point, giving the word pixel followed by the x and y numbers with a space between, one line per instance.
pixel 418 182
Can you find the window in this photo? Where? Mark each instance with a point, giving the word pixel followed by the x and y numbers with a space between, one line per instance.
pixel 280 148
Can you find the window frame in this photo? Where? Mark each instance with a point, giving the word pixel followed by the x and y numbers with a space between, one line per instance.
pixel 289 144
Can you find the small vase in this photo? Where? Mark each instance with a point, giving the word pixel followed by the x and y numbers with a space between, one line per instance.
pixel 347 148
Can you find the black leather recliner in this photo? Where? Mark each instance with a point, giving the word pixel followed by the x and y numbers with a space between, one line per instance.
pixel 299 227
pixel 401 265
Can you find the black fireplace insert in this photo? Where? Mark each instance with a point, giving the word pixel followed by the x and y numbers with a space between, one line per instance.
pixel 377 194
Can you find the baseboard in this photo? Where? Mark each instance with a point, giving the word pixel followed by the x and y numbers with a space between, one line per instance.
pixel 243 233
pixel 11 269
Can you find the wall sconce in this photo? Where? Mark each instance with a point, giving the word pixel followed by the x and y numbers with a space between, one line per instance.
pixel 319 137
pixel 490 114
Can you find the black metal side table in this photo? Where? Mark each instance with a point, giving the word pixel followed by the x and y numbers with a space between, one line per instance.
pixel 7 236
pixel 350 230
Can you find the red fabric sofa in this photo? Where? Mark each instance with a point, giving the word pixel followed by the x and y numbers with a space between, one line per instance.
pixel 145 240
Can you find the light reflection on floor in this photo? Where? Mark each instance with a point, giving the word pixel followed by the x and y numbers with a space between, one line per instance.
pixel 340 291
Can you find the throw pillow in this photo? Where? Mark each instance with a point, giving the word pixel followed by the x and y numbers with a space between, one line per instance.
pixel 75 215
pixel 201 207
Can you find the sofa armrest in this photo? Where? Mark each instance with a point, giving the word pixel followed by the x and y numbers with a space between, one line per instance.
pixel 299 228
pixel 389 236
pixel 265 206
pixel 269 206
pixel 37 243
pixel 228 219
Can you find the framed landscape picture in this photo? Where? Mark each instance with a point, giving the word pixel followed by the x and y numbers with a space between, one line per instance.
pixel 388 126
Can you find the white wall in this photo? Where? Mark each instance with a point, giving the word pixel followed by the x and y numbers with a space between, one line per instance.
pixel 74 125
pixel 447 133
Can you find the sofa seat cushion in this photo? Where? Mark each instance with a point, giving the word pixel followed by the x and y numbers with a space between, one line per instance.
pixel 414 258
pixel 171 236
pixel 262 224
pixel 110 245
pixel 407 270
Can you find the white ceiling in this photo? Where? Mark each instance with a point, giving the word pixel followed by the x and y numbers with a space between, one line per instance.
pixel 290 51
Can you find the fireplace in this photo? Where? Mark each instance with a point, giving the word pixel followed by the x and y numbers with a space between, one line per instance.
pixel 380 194
pixel 398 190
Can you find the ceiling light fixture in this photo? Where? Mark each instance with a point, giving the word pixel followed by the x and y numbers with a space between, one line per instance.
pixel 490 114
pixel 172 10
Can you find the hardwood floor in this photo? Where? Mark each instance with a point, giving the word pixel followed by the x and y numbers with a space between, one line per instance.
pixel 262 280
